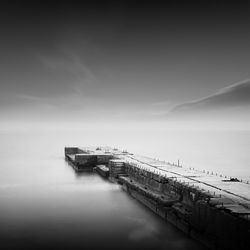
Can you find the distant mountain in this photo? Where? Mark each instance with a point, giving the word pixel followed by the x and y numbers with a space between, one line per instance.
pixel 232 102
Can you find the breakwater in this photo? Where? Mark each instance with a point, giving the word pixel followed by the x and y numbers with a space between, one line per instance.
pixel 212 209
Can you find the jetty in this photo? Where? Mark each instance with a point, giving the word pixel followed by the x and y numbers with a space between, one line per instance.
pixel 208 207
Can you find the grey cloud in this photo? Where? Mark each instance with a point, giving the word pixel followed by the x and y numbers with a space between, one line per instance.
pixel 72 64
pixel 161 103
pixel 29 97
pixel 233 96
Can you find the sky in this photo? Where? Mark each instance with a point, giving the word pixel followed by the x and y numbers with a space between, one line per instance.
pixel 123 61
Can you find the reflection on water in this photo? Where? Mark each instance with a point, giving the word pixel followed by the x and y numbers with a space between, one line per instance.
pixel 45 204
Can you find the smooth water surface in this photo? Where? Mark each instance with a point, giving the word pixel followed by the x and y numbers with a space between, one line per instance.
pixel 46 205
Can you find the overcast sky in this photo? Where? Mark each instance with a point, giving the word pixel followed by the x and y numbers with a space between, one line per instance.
pixel 111 60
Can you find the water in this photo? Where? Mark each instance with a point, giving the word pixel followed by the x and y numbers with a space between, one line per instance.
pixel 46 205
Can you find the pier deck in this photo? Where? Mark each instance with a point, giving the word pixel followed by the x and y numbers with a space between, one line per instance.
pixel 216 186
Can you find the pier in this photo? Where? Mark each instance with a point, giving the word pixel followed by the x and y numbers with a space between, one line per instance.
pixel 210 208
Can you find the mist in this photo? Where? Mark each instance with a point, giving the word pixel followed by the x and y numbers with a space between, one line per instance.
pixel 166 80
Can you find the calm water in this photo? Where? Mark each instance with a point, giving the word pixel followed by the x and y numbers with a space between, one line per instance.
pixel 45 204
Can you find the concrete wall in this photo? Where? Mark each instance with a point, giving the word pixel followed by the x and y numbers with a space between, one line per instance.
pixel 85 160
pixel 224 229
pixel 203 221
pixel 104 159
pixel 116 168
pixel 149 179
pixel 72 150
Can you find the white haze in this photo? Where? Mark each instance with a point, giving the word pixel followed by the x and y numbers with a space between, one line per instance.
pixel 221 149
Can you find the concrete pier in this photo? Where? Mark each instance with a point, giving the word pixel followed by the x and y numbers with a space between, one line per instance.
pixel 210 208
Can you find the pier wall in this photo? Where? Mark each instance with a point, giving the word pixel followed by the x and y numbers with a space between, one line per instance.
pixel 72 150
pixel 187 194
pixel 192 210
pixel 116 168
pixel 85 159
pixel 147 178
pixel 192 213
pixel 223 229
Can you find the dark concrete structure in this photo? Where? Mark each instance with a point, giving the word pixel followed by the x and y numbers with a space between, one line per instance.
pixel 199 204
